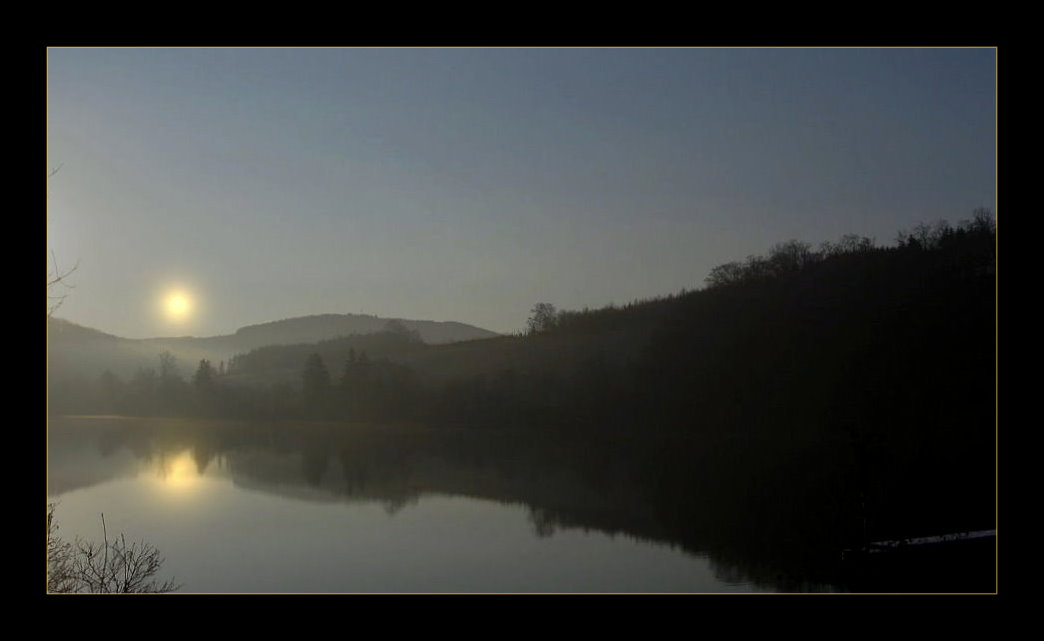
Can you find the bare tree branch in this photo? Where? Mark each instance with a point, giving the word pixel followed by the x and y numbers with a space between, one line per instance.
pixel 108 567
pixel 57 279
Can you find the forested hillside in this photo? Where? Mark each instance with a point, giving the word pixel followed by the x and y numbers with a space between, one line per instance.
pixel 853 385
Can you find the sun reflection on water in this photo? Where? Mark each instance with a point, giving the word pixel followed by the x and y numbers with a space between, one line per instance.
pixel 178 474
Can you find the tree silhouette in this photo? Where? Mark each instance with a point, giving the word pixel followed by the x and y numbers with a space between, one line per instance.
pixel 168 369
pixel 732 272
pixel 203 379
pixel 790 256
pixel 542 317
pixel 315 379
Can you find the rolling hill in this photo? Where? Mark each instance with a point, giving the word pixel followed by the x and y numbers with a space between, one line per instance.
pixel 75 351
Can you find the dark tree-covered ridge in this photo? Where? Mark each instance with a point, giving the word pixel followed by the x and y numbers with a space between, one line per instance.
pixel 813 398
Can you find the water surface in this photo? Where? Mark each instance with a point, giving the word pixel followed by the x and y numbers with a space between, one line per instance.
pixel 237 507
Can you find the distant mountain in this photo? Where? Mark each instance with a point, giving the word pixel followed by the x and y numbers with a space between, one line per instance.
pixel 62 330
pixel 78 351
pixel 310 329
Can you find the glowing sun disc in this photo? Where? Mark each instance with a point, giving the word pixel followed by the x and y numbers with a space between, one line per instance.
pixel 178 306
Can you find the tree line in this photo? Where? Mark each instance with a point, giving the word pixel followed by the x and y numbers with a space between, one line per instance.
pixel 697 360
pixel 852 386
pixel 823 397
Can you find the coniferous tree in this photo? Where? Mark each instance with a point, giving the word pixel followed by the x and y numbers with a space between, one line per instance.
pixel 203 379
pixel 315 379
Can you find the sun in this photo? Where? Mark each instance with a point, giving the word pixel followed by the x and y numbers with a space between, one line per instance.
pixel 178 306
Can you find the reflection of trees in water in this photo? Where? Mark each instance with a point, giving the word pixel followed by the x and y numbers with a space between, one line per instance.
pixel 354 471
pixel 543 522
pixel 109 443
pixel 202 454
pixel 737 570
pixel 313 466
pixel 111 437
pixel 655 492
pixel 207 445
pixel 394 505
pixel 726 572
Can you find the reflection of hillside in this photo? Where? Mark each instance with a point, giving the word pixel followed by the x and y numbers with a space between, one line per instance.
pixel 396 469
pixel 322 465
pixel 80 456
pixel 646 490
pixel 564 483
pixel 70 469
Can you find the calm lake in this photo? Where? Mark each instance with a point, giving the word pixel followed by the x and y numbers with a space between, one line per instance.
pixel 325 508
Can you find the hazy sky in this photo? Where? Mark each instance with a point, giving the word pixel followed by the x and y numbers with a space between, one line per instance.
pixel 469 184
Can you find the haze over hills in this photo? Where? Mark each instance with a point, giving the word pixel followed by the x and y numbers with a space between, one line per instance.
pixel 77 350
pixel 309 329
pixel 813 398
